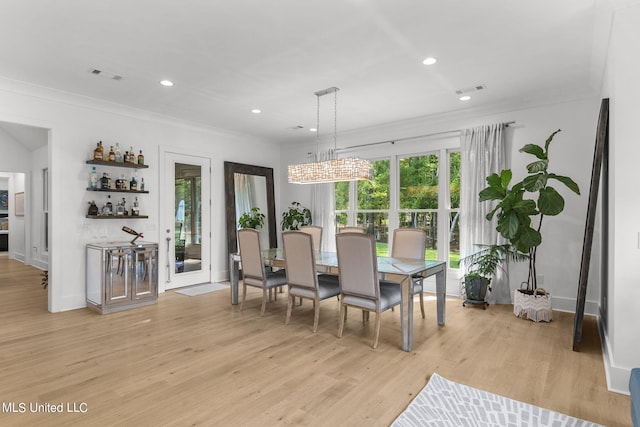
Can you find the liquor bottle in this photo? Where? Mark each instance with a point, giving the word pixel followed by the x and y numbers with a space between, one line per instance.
pixel 135 210
pixel 109 206
pixel 133 184
pixel 112 155
pixel 105 182
pixel 97 153
pixel 140 158
pixel 93 178
pixel 118 154
pixel 141 184
pixel 132 156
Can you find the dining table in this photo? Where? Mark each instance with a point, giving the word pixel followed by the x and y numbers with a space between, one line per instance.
pixel 390 269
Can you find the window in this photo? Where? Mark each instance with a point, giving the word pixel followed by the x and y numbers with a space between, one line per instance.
pixel 405 192
pixel 366 204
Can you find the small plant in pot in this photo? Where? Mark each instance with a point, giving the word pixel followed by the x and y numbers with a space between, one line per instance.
pixel 482 267
pixel 295 217
pixel 252 219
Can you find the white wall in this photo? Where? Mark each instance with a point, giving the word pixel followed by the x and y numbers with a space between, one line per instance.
pixel 622 86
pixel 559 256
pixel 76 124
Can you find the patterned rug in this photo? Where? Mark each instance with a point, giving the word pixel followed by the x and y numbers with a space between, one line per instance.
pixel 445 403
pixel 202 289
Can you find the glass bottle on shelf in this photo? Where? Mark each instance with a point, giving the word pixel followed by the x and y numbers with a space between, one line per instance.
pixel 112 155
pixel 97 152
pixel 133 184
pixel 132 157
pixel 118 154
pixel 141 184
pixel 109 206
pixel 140 158
pixel 105 182
pixel 93 178
pixel 135 210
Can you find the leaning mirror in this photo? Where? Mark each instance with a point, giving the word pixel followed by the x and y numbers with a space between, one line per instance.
pixel 247 187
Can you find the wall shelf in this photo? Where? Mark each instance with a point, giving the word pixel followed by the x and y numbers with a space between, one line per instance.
pixel 117 216
pixel 113 190
pixel 117 165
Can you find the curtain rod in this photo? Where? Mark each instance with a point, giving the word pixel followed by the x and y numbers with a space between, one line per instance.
pixel 393 141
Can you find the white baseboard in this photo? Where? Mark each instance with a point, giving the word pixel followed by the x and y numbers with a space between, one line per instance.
pixel 617 378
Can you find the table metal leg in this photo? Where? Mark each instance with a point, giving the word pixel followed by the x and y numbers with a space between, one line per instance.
pixel 406 313
pixel 441 294
pixel 234 273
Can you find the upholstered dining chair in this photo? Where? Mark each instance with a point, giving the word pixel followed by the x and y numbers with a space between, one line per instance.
pixel 410 243
pixel 359 284
pixel 301 274
pixel 316 233
pixel 253 269
pixel 351 230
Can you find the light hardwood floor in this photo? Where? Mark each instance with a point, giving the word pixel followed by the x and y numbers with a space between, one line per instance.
pixel 200 361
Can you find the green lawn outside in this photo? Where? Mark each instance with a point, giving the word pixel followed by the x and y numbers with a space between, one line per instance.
pixel 382 249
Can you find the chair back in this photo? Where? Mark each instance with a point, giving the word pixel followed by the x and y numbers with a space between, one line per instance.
pixel 316 232
pixel 409 243
pixel 251 254
pixel 358 265
pixel 351 230
pixel 298 251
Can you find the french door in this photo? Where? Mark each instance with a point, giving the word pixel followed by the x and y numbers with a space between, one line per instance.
pixel 186 220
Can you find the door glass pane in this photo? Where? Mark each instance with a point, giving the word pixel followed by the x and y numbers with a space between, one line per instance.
pixel 376 224
pixel 419 182
pixel 454 239
pixel 188 208
pixel 374 194
pixel 454 179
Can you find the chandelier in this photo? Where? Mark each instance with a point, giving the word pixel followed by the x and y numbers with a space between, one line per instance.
pixel 332 169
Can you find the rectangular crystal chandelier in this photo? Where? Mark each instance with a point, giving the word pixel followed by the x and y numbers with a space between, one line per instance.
pixel 333 169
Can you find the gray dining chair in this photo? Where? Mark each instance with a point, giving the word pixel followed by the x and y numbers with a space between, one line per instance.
pixel 359 284
pixel 351 230
pixel 301 274
pixel 316 233
pixel 253 269
pixel 410 243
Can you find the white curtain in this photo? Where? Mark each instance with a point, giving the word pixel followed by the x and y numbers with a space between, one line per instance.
pixel 323 206
pixel 483 153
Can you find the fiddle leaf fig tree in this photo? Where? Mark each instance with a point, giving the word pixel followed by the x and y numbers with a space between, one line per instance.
pixel 515 213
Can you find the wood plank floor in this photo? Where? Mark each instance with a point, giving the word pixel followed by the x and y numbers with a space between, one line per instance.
pixel 199 361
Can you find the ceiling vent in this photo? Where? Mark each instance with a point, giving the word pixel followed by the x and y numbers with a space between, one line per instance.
pixel 105 74
pixel 297 127
pixel 471 89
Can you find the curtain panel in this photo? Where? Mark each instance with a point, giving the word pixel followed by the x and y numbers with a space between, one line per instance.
pixel 323 205
pixel 483 153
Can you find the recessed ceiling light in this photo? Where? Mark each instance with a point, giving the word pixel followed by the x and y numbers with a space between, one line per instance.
pixel 313 130
pixel 430 61
pixel 465 98
pixel 256 111
pixel 167 83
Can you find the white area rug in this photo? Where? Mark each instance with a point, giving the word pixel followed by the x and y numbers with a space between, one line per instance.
pixel 445 403
pixel 202 289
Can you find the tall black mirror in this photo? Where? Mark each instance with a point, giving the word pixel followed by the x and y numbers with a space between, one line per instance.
pixel 248 186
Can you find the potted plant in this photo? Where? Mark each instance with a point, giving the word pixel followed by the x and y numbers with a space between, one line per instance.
pixel 295 217
pixel 516 215
pixel 252 219
pixel 481 268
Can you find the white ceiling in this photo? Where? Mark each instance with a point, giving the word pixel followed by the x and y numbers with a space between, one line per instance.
pixel 229 56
